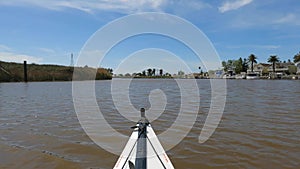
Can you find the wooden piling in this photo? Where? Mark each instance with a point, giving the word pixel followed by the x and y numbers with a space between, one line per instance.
pixel 25 72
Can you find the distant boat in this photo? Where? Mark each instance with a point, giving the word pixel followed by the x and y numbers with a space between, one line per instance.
pixel 252 76
pixel 240 76
pixel 228 76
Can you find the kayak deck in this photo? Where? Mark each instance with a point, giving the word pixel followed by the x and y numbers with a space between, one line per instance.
pixel 156 157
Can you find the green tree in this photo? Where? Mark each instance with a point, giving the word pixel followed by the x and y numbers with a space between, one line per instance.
pixel 153 72
pixel 161 72
pixel 297 58
pixel 252 59
pixel 149 71
pixel 180 73
pixel 292 69
pixel 224 64
pixel 273 59
pixel 229 65
pixel 238 64
pixel 245 65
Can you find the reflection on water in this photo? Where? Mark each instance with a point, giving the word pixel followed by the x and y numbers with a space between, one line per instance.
pixel 260 127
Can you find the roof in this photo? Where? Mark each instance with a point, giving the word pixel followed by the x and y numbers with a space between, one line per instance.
pixel 264 64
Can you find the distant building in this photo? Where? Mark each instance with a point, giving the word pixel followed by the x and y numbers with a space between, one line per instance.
pixel 281 67
pixel 298 67
pixel 189 76
pixel 218 74
pixel 197 75
pixel 259 68
pixel 265 68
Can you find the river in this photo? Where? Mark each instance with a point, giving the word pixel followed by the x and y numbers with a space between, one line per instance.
pixel 260 127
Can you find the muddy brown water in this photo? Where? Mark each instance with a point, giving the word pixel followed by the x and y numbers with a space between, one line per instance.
pixel 260 127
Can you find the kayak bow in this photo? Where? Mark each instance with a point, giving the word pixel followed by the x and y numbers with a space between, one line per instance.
pixel 143 149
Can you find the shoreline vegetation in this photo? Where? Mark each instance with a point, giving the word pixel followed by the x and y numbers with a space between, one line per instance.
pixel 249 68
pixel 242 68
pixel 147 74
pixel 14 72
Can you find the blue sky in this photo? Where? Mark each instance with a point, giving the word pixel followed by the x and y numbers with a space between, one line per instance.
pixel 49 31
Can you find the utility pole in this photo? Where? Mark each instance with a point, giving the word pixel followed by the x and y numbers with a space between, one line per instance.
pixel 72 60
pixel 25 72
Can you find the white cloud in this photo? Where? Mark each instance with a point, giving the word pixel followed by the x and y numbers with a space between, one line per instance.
pixel 47 50
pixel 4 48
pixel 233 5
pixel 7 54
pixel 267 47
pixel 288 19
pixel 89 6
pixel 121 6
pixel 19 58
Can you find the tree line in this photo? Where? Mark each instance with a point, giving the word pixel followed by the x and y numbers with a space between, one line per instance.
pixel 148 73
pixel 241 65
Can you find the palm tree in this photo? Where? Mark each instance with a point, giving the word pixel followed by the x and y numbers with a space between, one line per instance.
pixel 245 65
pixel 252 58
pixel 144 73
pixel 153 72
pixel 149 72
pixel 161 72
pixel 297 58
pixel 273 59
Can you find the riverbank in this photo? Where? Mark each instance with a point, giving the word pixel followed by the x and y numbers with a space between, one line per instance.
pixel 14 72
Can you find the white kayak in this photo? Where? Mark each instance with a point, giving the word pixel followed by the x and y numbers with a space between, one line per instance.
pixel 143 149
